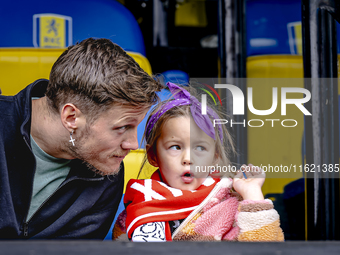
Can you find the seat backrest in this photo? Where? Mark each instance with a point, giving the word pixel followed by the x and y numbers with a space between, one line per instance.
pixel 61 23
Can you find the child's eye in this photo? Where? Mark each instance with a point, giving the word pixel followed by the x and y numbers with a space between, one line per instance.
pixel 200 148
pixel 175 147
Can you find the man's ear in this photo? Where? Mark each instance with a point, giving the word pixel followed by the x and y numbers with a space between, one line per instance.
pixel 151 156
pixel 71 117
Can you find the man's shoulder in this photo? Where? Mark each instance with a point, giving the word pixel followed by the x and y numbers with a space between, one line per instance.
pixel 23 97
pixel 10 112
pixel 6 104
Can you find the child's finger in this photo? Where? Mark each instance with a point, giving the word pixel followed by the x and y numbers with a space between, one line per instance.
pixel 247 171
pixel 244 169
pixel 254 169
pixel 262 173
pixel 258 172
pixel 251 171
pixel 239 175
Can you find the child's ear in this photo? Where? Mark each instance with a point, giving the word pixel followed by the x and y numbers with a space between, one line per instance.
pixel 216 158
pixel 151 156
pixel 216 173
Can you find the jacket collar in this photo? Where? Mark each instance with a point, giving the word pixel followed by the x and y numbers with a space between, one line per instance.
pixel 36 89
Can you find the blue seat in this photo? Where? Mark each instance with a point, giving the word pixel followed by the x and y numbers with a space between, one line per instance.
pixel 83 18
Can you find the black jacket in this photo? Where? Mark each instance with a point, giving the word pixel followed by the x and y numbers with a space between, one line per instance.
pixel 83 206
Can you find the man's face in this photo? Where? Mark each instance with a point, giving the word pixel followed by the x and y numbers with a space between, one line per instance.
pixel 109 139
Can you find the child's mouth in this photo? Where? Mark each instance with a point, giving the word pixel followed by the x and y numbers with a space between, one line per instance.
pixel 187 177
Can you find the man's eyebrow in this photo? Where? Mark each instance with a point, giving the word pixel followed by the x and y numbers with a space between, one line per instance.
pixel 127 119
pixel 130 118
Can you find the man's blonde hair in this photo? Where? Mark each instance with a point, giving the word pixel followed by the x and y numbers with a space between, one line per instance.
pixel 95 74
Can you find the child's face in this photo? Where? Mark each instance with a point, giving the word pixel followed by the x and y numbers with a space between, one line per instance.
pixel 182 147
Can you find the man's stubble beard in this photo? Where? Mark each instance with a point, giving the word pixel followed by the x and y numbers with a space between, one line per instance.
pixel 101 173
pixel 75 151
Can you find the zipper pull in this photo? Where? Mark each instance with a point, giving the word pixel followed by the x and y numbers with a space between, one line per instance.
pixel 25 229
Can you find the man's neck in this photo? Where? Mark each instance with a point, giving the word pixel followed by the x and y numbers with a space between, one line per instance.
pixel 47 129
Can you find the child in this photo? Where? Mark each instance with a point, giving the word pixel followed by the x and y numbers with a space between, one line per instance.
pixel 182 201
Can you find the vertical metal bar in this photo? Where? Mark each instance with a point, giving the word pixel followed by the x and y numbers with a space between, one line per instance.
pixel 171 9
pixel 221 38
pixel 230 41
pixel 233 28
pixel 241 59
pixel 322 128
pixel 160 25
pixel 308 132
pixel 241 29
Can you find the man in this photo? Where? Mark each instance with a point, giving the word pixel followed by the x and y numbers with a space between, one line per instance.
pixel 62 143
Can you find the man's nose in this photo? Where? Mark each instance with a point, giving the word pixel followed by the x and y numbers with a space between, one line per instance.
pixel 131 142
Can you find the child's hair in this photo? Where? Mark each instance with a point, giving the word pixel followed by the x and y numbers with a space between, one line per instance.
pixel 224 147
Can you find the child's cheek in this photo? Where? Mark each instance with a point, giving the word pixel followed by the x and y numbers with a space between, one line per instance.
pixel 203 157
pixel 173 153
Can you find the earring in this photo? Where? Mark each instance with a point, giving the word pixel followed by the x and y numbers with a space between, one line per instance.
pixel 71 139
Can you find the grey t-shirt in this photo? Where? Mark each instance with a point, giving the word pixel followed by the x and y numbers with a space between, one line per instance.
pixel 50 173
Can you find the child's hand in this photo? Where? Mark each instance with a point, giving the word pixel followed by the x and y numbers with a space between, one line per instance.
pixel 249 188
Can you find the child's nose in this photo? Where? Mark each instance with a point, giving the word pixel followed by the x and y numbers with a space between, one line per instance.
pixel 186 158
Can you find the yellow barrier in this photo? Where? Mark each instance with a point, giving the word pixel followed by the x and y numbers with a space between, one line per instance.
pixel 133 162
pixel 21 66
pixel 275 145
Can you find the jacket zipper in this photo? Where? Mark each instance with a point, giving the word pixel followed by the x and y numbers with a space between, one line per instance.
pixel 28 221
pixel 25 227
pixel 62 185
